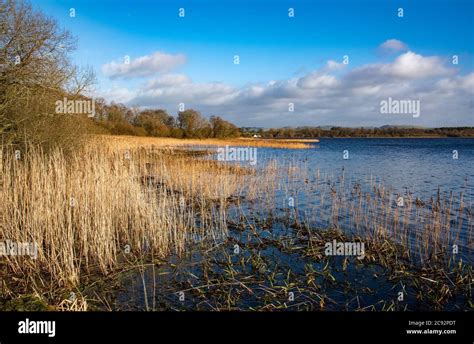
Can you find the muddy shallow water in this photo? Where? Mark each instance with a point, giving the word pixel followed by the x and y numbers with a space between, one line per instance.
pixel 272 256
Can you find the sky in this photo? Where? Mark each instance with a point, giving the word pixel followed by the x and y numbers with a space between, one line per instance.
pixel 280 63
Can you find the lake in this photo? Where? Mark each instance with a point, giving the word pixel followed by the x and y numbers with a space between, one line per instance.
pixel 419 165
pixel 417 193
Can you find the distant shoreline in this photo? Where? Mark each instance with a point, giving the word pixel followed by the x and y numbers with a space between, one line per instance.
pixel 368 137
pixel 398 137
pixel 342 132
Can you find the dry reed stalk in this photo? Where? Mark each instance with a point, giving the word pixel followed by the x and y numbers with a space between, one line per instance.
pixel 126 142
pixel 83 210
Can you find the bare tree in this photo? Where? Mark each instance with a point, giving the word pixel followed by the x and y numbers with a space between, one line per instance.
pixel 35 71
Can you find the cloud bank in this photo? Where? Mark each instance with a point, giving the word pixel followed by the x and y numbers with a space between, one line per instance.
pixel 142 66
pixel 333 95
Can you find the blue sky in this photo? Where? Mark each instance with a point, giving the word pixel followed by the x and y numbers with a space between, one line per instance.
pixel 277 54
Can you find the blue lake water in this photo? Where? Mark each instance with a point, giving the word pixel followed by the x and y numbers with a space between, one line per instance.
pixel 419 165
pixel 415 168
pixel 420 169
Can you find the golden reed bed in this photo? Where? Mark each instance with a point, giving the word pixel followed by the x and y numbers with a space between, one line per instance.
pixel 84 210
pixel 138 141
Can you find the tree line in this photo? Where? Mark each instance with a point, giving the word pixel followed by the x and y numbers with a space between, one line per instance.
pixel 389 131
pixel 119 119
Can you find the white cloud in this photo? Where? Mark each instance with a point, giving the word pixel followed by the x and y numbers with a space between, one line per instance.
pixel 117 94
pixel 174 89
pixel 147 65
pixel 333 65
pixel 465 83
pixel 392 45
pixel 412 66
pixel 169 80
pixel 317 80
pixel 408 66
